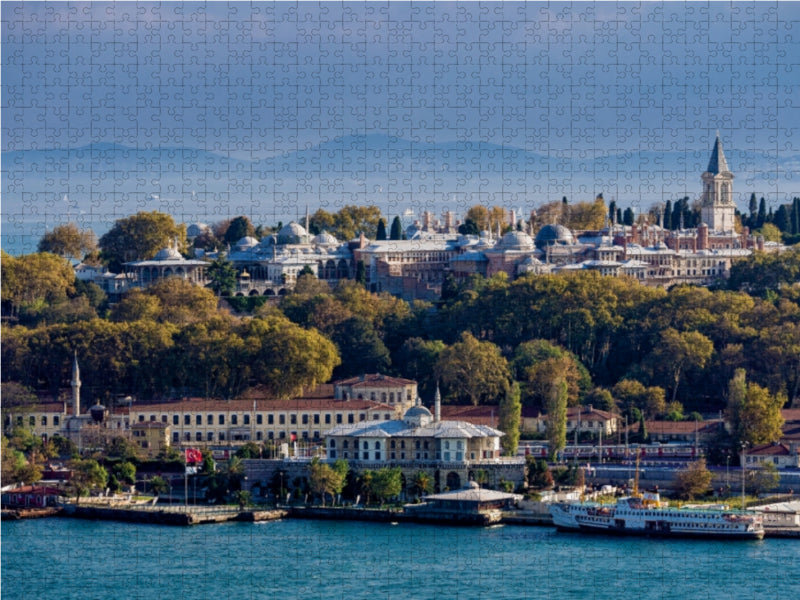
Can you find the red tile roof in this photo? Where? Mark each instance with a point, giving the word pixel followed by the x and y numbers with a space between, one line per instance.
pixel 770 450
pixel 299 404
pixel 372 379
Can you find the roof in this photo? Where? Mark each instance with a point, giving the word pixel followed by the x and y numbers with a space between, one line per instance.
pixel 473 494
pixel 770 450
pixel 717 164
pixel 440 429
pixel 791 415
pixel 477 415
pixel 297 404
pixel 373 378
pixel 683 427
pixel 590 414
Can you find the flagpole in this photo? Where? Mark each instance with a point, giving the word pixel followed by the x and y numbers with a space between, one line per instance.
pixel 185 480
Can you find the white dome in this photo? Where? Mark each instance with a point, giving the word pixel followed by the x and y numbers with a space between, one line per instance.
pixel 196 229
pixel 325 239
pixel 246 242
pixel 516 240
pixel 168 254
pixel 293 233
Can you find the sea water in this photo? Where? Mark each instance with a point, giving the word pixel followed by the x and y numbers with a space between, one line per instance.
pixel 66 558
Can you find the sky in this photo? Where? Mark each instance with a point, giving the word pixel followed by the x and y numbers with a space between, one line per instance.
pixel 261 108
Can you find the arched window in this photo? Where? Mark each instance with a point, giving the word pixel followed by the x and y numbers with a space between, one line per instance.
pixel 333 443
pixel 346 444
pixel 366 445
pixel 377 445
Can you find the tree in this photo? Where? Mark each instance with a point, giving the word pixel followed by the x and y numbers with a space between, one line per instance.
pixel 762 213
pixel 237 229
pixel 34 281
pixel 158 485
pixel 631 394
pixel 473 370
pixel 68 241
pixel 249 450
pixel 538 362
pixel 764 479
pixel 286 357
pixel 360 347
pixel 556 421
pixel 222 275
pixel 679 351
pixel 627 217
pixel 539 475
pixel 140 236
pixel 16 395
pixel 324 479
pixel 510 411
pixel 183 303
pixel 243 498
pixel 86 475
pixel 479 215
pixel 381 232
pixel 694 481
pixel 387 483
pixel 125 472
pixel 421 484
pixel 753 413
pixel 416 359
pixel 396 232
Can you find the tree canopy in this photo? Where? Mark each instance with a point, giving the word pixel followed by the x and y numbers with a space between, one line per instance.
pixel 140 237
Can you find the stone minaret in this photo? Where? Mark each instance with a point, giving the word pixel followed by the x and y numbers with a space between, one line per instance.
pixel 717 207
pixel 437 406
pixel 76 386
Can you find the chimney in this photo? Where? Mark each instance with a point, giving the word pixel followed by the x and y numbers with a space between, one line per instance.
pixel 76 386
pixel 437 406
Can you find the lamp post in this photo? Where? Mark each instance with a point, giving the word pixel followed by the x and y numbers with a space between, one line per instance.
pixel 727 469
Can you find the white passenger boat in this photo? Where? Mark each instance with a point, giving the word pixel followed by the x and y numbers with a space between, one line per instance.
pixel 645 514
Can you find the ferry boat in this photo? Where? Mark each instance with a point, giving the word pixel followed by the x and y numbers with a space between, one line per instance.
pixel 646 515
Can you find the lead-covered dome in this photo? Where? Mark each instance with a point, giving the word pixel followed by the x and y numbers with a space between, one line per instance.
pixel 552 235
pixel 168 254
pixel 516 240
pixel 292 233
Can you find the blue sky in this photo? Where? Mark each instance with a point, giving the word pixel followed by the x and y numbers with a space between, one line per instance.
pixel 623 98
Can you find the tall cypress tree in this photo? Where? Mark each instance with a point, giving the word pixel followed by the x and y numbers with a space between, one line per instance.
pixel 753 206
pixel 381 234
pixel 762 213
pixel 781 220
pixel 396 232
pixel 668 215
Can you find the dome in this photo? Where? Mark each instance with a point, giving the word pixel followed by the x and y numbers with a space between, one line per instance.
pixel 196 229
pixel 516 240
pixel 292 233
pixel 551 235
pixel 168 254
pixel 473 485
pixel 246 242
pixel 98 413
pixel 418 416
pixel 325 239
pixel 269 240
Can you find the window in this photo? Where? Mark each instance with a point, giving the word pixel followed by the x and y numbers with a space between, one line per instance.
pixel 392 444
pixel 247 419
pixel 305 419
pixel 259 419
pixel 234 419
pixel 392 455
pixel 221 436
pixel 187 419
pixel 387 417
pixel 376 417
pixel 187 436
pixel 221 420
pixel 333 444
pixel 259 436
pixel 372 396
pixel 316 419
pixel 175 437
pixel 198 420
pixel 377 445
pixel 338 419
pixel 351 418
pixel 175 419
pixel 198 436
pixel 293 419
pixel 269 435
pixel 210 436
pixel 327 419
pixel 270 419
pixel 391 397
pixel 332 453
pixel 346 444
pixel 362 417
pixel 366 445
pixel 141 419
pixel 163 418
pixel 402 444
pixel 282 435
pixel 210 419
pixel 282 419
pixel 56 420
pixel 305 435
pixel 44 421
pixel 383 397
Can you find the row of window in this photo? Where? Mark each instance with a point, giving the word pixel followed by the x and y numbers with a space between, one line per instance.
pixel 305 419
pixel 32 421
pixel 210 436
pixel 394 444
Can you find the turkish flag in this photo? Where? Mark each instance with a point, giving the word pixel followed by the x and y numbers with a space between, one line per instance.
pixel 294 437
pixel 193 455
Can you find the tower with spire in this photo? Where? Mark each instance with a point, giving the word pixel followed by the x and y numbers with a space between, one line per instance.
pixel 76 386
pixel 717 207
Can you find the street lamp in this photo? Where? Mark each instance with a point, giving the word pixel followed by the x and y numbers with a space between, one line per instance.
pixel 744 462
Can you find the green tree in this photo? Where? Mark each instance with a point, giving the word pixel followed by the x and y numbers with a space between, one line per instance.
pixel 139 237
pixel 33 281
pixel 387 483
pixel 473 370
pixel 238 228
pixel 422 483
pixel 243 498
pixel 360 347
pixel 679 351
pixel 694 481
pixel 158 485
pixel 381 231
pixel 325 479
pixel 222 275
pixel 753 413
pixel 68 241
pixel 125 472
pixel 416 359
pixel 396 232
pixel 556 420
pixel 539 475
pixel 510 411
pixel 761 219
pixel 762 480
pixel 249 450
pixel 87 475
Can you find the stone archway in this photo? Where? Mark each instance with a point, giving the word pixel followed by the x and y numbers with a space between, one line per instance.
pixel 453 481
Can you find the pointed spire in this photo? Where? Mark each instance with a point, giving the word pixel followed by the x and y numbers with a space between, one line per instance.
pixel 437 405
pixel 717 164
pixel 76 386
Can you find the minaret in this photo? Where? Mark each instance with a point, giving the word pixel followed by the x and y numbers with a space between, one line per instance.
pixel 437 406
pixel 717 207
pixel 76 386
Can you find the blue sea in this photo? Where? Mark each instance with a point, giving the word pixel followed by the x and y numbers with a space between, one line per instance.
pixel 66 558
